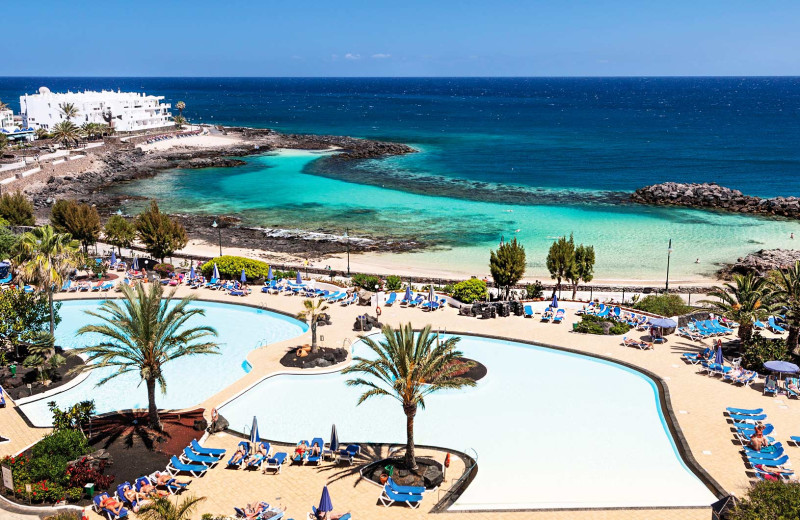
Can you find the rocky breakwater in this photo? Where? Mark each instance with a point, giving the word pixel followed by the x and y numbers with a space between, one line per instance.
pixel 714 196
pixel 761 262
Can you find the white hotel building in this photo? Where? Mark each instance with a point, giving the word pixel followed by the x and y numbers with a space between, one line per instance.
pixel 128 111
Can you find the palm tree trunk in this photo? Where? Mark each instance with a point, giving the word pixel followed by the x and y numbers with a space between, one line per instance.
pixel 745 332
pixel 155 422
pixel 314 347
pixel 792 338
pixel 52 312
pixel 574 289
pixel 411 460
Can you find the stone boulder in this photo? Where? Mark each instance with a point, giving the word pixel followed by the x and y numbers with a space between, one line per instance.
pixel 432 477
pixel 221 425
pixel 95 459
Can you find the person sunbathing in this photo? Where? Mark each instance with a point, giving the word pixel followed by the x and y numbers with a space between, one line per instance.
pixel 240 454
pixel 136 499
pixel 791 384
pixel 149 490
pixel 757 440
pixel 775 471
pixel 112 504
pixel 258 454
pixel 322 515
pixel 315 449
pixel 300 450
pixel 163 479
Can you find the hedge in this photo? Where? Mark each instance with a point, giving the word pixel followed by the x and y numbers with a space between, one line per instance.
pixel 231 267
pixel 470 290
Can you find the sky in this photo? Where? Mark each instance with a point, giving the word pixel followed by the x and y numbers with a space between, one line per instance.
pixel 408 38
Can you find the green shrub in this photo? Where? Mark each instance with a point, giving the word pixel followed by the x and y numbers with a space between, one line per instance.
pixel 760 349
pixel 663 305
pixel 164 270
pixel 230 267
pixel 289 275
pixel 470 290
pixel 366 281
pixel 594 325
pixel 534 291
pixel 393 283
pixel 769 500
pixel 49 457
pixel 73 494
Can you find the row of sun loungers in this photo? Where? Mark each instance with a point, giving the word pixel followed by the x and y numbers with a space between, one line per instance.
pixel 769 463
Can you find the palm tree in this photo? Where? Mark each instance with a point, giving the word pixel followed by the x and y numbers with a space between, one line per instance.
pixel 143 332
pixel 744 301
pixel 162 508
pixel 786 286
pixel 66 133
pixel 180 105
pixel 68 110
pixel 3 106
pixel 45 258
pixel 179 121
pixel 408 367
pixel 41 133
pixel 313 308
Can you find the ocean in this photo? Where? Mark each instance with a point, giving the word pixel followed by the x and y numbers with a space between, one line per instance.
pixel 533 158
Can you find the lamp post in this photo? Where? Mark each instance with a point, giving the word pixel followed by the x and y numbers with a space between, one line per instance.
pixel 347 239
pixel 669 253
pixel 219 232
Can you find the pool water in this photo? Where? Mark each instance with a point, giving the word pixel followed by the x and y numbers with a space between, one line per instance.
pixel 551 429
pixel 190 380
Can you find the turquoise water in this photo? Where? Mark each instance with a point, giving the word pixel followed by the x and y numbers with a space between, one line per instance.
pixel 551 429
pixel 630 241
pixel 190 380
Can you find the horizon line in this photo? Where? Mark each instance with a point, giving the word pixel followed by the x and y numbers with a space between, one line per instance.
pixel 666 76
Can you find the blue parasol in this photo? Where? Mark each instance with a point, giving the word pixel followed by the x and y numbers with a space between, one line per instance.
pixel 325 504
pixel 216 272
pixel 783 367
pixel 113 258
pixel 269 274
pixel 254 437
pixel 243 278
pixel 135 265
pixel 334 439
pixel 299 278
pixel 718 359
pixel 191 273
pixel 555 302
pixel 663 323
pixel 431 294
pixel 407 297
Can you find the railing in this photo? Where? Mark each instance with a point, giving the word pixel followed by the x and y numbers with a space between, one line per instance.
pixel 451 493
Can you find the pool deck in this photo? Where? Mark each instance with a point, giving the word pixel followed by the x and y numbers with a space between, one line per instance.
pixel 698 402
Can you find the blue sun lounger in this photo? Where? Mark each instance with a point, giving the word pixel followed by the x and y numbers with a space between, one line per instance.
pixel 246 446
pixel 276 462
pixel 391 299
pixel 296 457
pixel 789 392
pixel 123 513
pixel 348 454
pixel 694 357
pixel 744 411
pixel 604 312
pixel 760 454
pixel 406 490
pixel 773 463
pixel 175 466
pixel 345 516
pixel 389 497
pixel 202 450
pixel 2 397
pixel 190 457
pixel 746 418
pixel 559 317
pixel 771 385
pixel 774 327
pixel 750 429
pixel 259 458
pixel 121 496
pixel 527 310
pixel 316 459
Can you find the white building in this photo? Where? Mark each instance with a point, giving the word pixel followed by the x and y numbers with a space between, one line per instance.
pixel 127 111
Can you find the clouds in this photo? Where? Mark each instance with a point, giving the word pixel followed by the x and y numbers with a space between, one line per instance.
pixel 352 56
pixel 381 56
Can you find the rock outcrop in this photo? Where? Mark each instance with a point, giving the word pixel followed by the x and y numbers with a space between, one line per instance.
pixel 761 262
pixel 714 196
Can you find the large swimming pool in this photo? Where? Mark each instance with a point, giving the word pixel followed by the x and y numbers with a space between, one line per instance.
pixel 190 380
pixel 551 429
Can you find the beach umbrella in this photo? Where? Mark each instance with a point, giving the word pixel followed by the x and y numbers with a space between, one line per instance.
pixel 299 278
pixel 408 293
pixel 135 265
pixel 113 258
pixel 718 359
pixel 431 294
pixel 663 323
pixel 216 272
pixel 269 274
pixel 325 504
pixel 191 273
pixel 555 302
pixel 243 278
pixel 334 439
pixel 782 367
pixel 254 437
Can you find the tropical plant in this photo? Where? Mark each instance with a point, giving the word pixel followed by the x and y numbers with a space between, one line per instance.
pixel 312 309
pixel 786 293
pixel 662 304
pixel 590 324
pixel 79 220
pixel 758 350
pixel 744 301
pixel 66 133
pixel 119 232
pixel 769 500
pixel 72 418
pixel 507 264
pixel 470 290
pixel 366 281
pixel 179 121
pixel 231 267
pixel 16 209
pixel 561 260
pixel 393 283
pixel 92 129
pixel 181 106
pixel 68 110
pixel 8 240
pixel 142 332
pixel 41 133
pixel 408 367
pixel 23 316
pixel 534 291
pixel 162 508
pixel 45 257
pixel 160 234
pixel 42 355
pixel 582 267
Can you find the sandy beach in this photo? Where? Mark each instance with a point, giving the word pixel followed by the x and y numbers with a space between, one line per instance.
pixel 204 140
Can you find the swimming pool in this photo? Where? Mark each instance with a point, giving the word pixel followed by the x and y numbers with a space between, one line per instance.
pixel 551 429
pixel 190 380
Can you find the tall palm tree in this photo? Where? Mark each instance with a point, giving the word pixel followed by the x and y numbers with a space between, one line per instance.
pixel 66 133
pixel 313 308
pixel 786 293
pixel 142 332
pixel 3 106
pixel 745 300
pixel 180 105
pixel 408 367
pixel 162 508
pixel 45 257
pixel 68 110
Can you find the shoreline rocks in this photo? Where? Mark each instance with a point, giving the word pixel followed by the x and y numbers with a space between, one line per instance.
pixel 714 196
pixel 761 262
